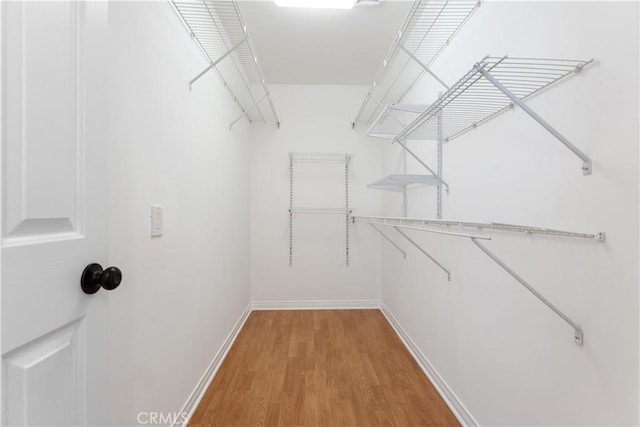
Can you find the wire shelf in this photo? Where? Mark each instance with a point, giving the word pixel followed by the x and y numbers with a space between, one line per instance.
pixel 427 30
pixel 474 99
pixel 312 210
pixel 400 182
pixel 479 226
pixel 218 29
pixel 320 157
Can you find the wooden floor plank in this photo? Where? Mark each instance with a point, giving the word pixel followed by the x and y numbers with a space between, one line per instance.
pixel 320 368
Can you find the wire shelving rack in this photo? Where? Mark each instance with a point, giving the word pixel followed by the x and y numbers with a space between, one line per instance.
pixel 427 30
pixel 446 227
pixel 316 157
pixel 399 182
pixel 218 29
pixel 491 87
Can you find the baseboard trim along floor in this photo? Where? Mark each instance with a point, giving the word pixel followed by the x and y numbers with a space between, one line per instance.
pixel 203 384
pixel 316 304
pixel 457 407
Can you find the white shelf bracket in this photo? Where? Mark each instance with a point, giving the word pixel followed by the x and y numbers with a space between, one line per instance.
pixel 245 112
pixel 578 336
pixel 385 112
pixel 216 62
pixel 586 161
pixel 404 254
pixel 426 166
pixel 424 66
pixel 442 267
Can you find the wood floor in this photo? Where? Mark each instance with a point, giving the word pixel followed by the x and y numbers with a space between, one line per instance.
pixel 320 368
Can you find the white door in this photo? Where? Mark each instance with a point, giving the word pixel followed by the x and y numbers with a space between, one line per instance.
pixel 54 203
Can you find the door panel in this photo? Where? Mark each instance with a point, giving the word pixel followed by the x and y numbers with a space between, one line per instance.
pixel 53 128
pixel 52 366
pixel 43 127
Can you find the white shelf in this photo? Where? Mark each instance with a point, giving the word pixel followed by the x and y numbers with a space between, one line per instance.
pixel 312 210
pixel 391 221
pixel 474 99
pixel 400 182
pixel 427 30
pixel 389 136
pixel 218 29
pixel 491 87
pixel 320 157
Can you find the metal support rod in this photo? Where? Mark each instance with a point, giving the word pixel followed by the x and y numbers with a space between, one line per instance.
pixel 409 107
pixel 431 230
pixel 388 239
pixel 245 112
pixel 290 212
pixel 427 69
pixel 424 252
pixel 578 335
pixel 377 119
pixel 439 157
pixel 435 174
pixel 386 108
pixel 346 206
pixel 405 198
pixel 216 62
pixel 586 165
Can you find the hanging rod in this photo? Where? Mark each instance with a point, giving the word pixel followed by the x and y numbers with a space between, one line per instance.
pixel 491 87
pixel 479 226
pixel 427 30
pixel 219 31
pixel 578 335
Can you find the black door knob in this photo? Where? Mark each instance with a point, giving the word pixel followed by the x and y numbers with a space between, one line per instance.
pixel 94 277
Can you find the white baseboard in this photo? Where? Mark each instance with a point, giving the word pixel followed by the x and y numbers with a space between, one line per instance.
pixel 316 304
pixel 457 407
pixel 203 384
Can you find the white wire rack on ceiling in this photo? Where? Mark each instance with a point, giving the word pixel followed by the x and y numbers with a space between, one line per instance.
pixel 492 86
pixel 425 33
pixel 218 29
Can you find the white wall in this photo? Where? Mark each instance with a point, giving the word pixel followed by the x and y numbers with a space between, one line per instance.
pixel 182 293
pixel 314 119
pixel 508 358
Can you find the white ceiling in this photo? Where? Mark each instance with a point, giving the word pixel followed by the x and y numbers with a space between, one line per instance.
pixel 322 46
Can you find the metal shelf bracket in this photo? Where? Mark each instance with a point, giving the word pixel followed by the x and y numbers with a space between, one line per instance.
pixel 404 254
pixel 216 62
pixel 424 66
pixel 586 161
pixel 425 253
pixel 398 223
pixel 435 174
pixel 578 335
pixel 245 112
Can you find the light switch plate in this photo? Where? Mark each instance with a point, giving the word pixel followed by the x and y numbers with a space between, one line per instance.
pixel 156 221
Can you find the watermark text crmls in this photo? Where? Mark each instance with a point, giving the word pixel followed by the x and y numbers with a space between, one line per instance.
pixel 161 418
